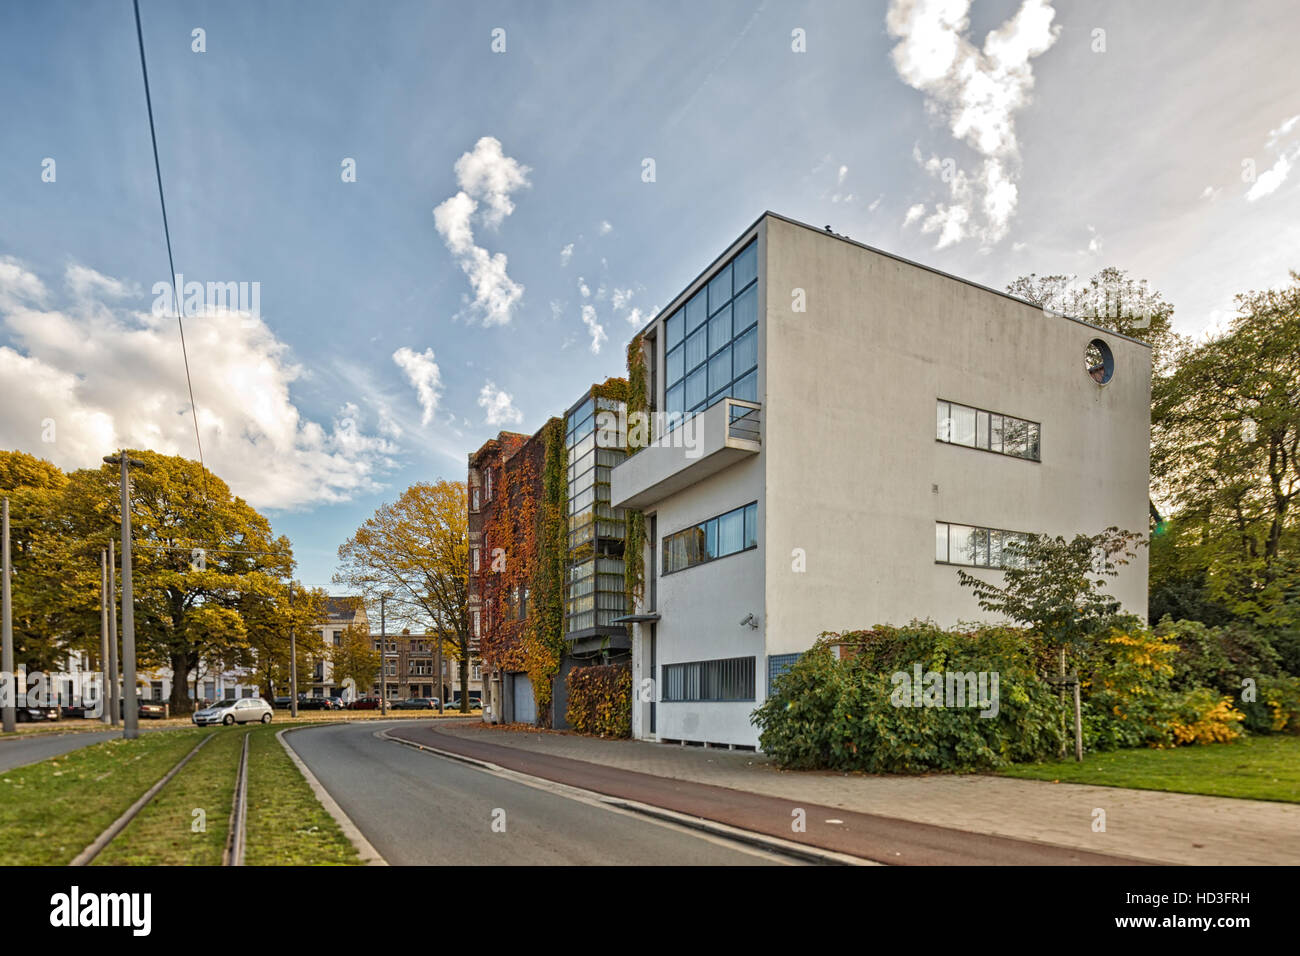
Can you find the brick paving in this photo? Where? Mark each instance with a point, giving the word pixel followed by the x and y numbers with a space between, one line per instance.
pixel 1140 824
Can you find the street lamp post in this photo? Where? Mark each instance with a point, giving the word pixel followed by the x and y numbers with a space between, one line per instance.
pixel 10 712
pixel 131 717
pixel 114 693
pixel 105 601
pixel 383 658
pixel 293 659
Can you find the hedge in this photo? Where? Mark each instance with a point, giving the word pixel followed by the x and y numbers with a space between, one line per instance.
pixel 600 700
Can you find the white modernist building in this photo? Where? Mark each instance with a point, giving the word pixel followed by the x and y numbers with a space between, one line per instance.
pixel 856 426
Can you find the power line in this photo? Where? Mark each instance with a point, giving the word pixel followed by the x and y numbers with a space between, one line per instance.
pixel 171 263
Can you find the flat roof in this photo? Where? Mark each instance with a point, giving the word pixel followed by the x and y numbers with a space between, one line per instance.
pixel 889 255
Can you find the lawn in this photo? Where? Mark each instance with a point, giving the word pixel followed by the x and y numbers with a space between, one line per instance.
pixel 167 831
pixel 51 811
pixel 286 824
pixel 1253 768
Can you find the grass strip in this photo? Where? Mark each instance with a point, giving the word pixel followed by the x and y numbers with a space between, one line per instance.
pixel 1253 768
pixel 187 822
pixel 51 811
pixel 287 826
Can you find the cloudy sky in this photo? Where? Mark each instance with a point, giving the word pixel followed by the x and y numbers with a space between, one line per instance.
pixel 445 208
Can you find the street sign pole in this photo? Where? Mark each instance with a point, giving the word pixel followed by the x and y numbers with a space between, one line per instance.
pixel 10 712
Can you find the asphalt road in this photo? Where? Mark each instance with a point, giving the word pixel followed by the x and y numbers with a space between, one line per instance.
pixel 25 749
pixel 417 808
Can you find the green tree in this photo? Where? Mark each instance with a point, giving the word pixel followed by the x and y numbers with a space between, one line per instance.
pixel 1058 586
pixel 416 552
pixel 197 549
pixel 1226 456
pixel 354 658
pixel 1111 299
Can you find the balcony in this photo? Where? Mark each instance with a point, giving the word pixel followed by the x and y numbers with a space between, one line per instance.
pixel 714 439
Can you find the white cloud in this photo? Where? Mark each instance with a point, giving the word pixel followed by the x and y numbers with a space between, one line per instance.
pixel 875 204
pixel 566 254
pixel 598 336
pixel 620 298
pixel 111 376
pixel 1268 181
pixel 606 227
pixel 583 288
pixel 422 372
pixel 839 179
pixel 977 92
pixel 485 175
pixel 498 406
pixel 914 213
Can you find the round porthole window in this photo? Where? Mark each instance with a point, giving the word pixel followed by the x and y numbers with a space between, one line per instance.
pixel 1098 361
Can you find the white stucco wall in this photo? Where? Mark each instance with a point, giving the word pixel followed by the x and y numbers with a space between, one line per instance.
pixel 854 476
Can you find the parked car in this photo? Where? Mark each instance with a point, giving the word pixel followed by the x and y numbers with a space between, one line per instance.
pixel 73 710
pixel 415 703
pixel 148 709
pixel 314 703
pixel 282 703
pixel 364 703
pixel 475 702
pixel 336 703
pixel 244 710
pixel 28 715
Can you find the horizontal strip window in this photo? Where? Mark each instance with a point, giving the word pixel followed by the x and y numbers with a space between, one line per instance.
pixel 978 547
pixel 718 680
pixel 727 534
pixel 990 431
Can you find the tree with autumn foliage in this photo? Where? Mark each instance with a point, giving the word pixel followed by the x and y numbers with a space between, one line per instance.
pixel 355 659
pixel 415 552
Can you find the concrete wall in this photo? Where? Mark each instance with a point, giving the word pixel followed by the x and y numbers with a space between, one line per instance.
pixel 854 475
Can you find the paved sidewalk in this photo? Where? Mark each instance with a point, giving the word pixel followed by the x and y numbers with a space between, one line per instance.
pixel 1143 824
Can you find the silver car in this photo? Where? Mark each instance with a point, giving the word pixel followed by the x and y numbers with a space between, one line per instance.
pixel 244 710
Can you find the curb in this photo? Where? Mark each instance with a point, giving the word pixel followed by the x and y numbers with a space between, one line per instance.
pixel 369 855
pixel 713 827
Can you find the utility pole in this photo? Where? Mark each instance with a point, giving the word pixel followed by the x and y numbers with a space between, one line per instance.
pixel 10 712
pixel 131 717
pixel 105 600
pixel 440 633
pixel 383 659
pixel 114 692
pixel 293 659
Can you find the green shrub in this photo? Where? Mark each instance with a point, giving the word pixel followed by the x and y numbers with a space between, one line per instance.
pixel 848 713
pixel 600 700
pixel 1218 657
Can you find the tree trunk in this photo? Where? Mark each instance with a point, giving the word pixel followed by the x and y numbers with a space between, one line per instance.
pixel 464 678
pixel 179 700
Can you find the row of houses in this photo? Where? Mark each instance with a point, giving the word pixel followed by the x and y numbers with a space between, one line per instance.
pixel 410 666
pixel 834 431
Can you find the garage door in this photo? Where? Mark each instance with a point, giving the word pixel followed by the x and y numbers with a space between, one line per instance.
pixel 525 705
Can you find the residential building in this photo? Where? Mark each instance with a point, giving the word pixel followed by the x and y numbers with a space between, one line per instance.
pixel 411 668
pixel 341 612
pixel 505 488
pixel 844 429
pixel 594 590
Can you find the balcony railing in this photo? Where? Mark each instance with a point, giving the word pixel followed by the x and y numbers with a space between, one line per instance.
pixel 702 445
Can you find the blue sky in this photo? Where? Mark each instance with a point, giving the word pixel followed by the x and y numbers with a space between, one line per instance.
pixel 370 364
